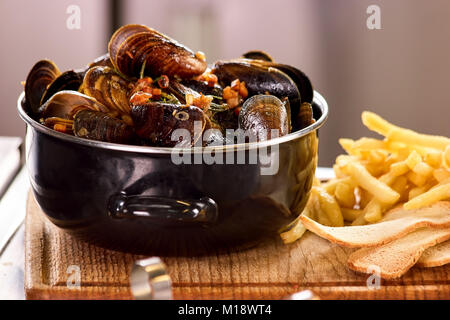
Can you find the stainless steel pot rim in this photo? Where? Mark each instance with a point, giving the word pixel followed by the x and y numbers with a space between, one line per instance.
pixel 318 99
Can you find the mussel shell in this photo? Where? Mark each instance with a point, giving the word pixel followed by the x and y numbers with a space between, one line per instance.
pixel 99 126
pixel 102 61
pixel 155 122
pixel 262 113
pixel 258 55
pixel 40 76
pixel 108 88
pixel 64 104
pixel 69 80
pixel 133 45
pixel 179 90
pixel 259 79
pixel 305 115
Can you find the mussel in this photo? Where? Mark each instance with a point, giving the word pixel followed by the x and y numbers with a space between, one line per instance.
pixel 305 115
pixel 133 47
pixel 155 122
pixel 97 125
pixel 65 104
pixel 40 76
pixel 108 88
pixel 258 55
pixel 69 80
pixel 102 61
pixel 261 114
pixel 266 77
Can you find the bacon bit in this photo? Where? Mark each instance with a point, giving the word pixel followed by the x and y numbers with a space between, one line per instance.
pixel 140 98
pixel 128 53
pixel 200 55
pixel 156 92
pixel 235 93
pixel 243 90
pixel 203 102
pixel 233 102
pixel 212 80
pixel 189 99
pixel 60 127
pixel 228 93
pixel 235 85
pixel 163 81
pixel 145 81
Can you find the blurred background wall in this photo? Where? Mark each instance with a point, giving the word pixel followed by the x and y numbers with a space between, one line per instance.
pixel 400 71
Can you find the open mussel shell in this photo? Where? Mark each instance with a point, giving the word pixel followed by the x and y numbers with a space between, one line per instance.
pixel 108 88
pixel 96 125
pixel 40 76
pixel 257 55
pixel 261 114
pixel 156 122
pixel 102 61
pixel 69 80
pixel 259 79
pixel 65 104
pixel 132 46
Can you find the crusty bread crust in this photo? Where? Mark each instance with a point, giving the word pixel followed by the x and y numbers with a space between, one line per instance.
pixel 435 256
pixel 397 223
pixel 395 258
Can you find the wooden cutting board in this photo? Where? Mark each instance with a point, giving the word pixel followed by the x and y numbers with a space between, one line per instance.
pixel 271 271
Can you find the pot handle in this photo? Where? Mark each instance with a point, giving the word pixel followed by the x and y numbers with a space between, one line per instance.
pixel 163 210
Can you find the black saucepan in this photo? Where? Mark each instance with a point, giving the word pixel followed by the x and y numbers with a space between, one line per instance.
pixel 142 200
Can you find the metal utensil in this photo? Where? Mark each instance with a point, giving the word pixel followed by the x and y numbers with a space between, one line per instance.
pixel 150 281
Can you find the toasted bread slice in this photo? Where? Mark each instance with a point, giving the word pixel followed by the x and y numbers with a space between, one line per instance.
pixel 435 256
pixel 397 223
pixel 397 257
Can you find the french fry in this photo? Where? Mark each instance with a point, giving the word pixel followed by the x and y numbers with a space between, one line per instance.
pixel 372 212
pixel 433 158
pixel 417 179
pixel 375 123
pixel 379 190
pixel 413 138
pixel 446 158
pixel 413 159
pixel 441 174
pixel 423 169
pixel 329 205
pixel 433 195
pixel 351 214
pixel 345 195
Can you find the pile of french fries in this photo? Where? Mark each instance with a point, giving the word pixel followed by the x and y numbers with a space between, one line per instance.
pixel 376 175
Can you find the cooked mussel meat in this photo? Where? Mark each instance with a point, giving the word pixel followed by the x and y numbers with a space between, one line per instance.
pixel 40 76
pixel 155 122
pixel 133 47
pixel 261 114
pixel 97 125
pixel 108 88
